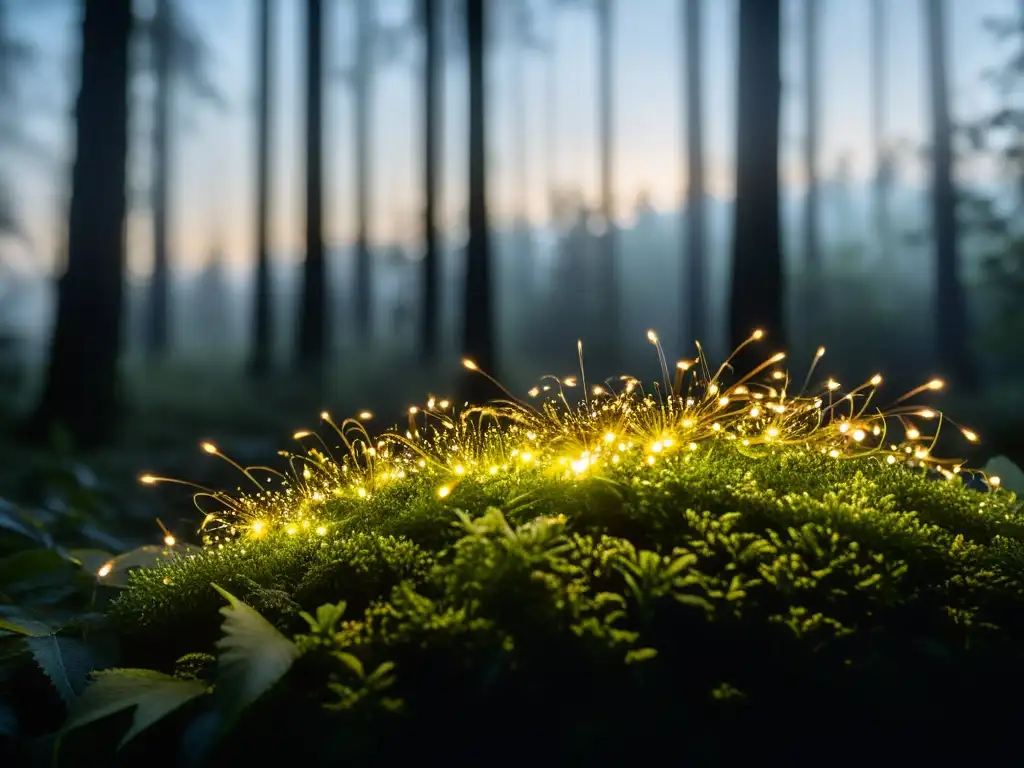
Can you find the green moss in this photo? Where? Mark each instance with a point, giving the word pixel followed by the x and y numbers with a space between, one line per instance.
pixel 686 592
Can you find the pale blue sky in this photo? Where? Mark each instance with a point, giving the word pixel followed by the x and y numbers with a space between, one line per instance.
pixel 213 191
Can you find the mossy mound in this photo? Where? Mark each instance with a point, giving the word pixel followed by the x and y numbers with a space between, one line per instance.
pixel 707 593
pixel 713 585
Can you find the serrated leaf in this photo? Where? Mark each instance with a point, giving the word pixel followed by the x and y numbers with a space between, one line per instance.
pixel 254 655
pixel 154 695
pixel 1011 477
pixel 65 661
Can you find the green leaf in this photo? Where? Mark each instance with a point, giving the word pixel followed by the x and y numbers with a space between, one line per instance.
pixel 254 655
pixel 65 661
pixel 1011 477
pixel 115 571
pixel 23 625
pixel 90 560
pixel 153 694
pixel 31 569
pixel 640 654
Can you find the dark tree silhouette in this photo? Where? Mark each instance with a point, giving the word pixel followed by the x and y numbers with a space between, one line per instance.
pixel 363 70
pixel 951 333
pixel 810 303
pixel 430 312
pixel 81 388
pixel 879 66
pixel 478 341
pixel 695 311
pixel 755 299
pixel 261 347
pixel 177 53
pixel 312 342
pixel 158 306
pixel 610 309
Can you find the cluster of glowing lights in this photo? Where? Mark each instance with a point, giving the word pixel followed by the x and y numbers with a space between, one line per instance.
pixel 612 422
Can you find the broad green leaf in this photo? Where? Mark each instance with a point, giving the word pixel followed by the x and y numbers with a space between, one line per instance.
pixel 90 560
pixel 65 661
pixel 154 695
pixel 254 655
pixel 33 629
pixel 1011 477
pixel 115 571
pixel 32 569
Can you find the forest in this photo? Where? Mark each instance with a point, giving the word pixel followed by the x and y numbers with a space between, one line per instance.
pixel 374 367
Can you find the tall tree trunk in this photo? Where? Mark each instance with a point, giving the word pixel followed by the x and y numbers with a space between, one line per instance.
pixel 430 325
pixel 950 305
pixel 81 390
pixel 523 262
pixel 550 129
pixel 812 287
pixel 878 97
pixel 756 285
pixel 158 330
pixel 695 317
pixel 478 342
pixel 312 343
pixel 366 28
pixel 262 310
pixel 609 274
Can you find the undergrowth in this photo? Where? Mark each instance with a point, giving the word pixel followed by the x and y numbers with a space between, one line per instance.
pixel 711 572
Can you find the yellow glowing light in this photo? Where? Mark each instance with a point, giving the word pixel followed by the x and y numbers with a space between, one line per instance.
pixel 469 364
pixel 321 530
pixel 935 384
pixel 147 480
pixel 913 434
pixel 971 436
pixel 459 469
pixel 105 569
pixel 757 335
pixel 876 380
pixel 443 491
pixel 413 410
pixel 859 434
pixel 361 493
pixel 365 415
pixel 169 540
pixel 258 528
pixel 994 480
pixel 652 337
pixel 208 447
pixel 820 352
pixel 301 434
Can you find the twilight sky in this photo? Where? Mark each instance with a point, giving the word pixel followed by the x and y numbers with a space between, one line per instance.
pixel 214 162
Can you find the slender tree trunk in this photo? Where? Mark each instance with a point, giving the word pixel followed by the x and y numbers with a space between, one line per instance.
pixel 366 26
pixel 950 305
pixel 879 65
pixel 696 278
pixel 262 325
pixel 81 390
pixel 312 343
pixel 811 282
pixel 551 129
pixel 430 328
pixel 609 274
pixel 158 331
pixel 523 265
pixel 478 340
pixel 756 283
